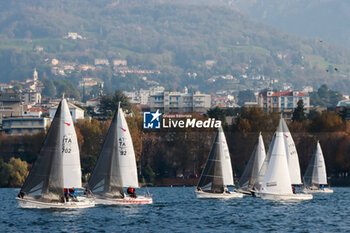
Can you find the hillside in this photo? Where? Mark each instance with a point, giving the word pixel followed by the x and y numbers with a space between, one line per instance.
pixel 176 38
pixel 324 19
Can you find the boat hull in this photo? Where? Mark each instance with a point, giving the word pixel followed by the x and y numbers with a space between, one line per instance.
pixel 139 200
pixel 285 197
pixel 245 192
pixel 325 190
pixel 80 204
pixel 206 195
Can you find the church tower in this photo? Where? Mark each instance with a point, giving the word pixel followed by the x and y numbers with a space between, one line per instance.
pixel 35 75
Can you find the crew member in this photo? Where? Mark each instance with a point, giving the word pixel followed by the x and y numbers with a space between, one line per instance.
pixel 131 191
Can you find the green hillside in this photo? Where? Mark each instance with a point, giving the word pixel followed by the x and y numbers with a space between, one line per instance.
pixel 174 37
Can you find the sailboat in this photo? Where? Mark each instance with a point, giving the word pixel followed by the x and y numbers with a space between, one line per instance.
pixel 292 155
pixel 261 175
pixel 44 186
pixel 116 167
pixel 315 177
pixel 251 171
pixel 217 173
pixel 277 184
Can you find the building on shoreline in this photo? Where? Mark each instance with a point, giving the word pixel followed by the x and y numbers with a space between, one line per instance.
pixel 24 125
pixel 283 102
pixel 176 102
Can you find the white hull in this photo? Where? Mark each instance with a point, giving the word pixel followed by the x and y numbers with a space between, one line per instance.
pixel 124 201
pixel 80 204
pixel 325 190
pixel 206 195
pixel 285 197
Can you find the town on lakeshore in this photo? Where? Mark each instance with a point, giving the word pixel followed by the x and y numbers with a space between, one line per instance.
pixel 26 112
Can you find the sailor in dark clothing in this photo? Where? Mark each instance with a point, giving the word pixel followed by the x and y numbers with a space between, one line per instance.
pixel 66 194
pixel 293 189
pixel 131 192
pixel 72 193
pixel 20 195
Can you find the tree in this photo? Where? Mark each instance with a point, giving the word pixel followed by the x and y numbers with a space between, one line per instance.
pixel 298 114
pixel 325 97
pixel 217 113
pixel 49 88
pixel 17 171
pixel 109 103
pixel 4 176
pixel 245 96
pixel 326 122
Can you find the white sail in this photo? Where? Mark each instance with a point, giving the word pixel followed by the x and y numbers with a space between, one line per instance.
pixel 251 171
pixel 277 179
pixel 320 175
pixel 128 169
pixel 292 154
pixel 261 154
pixel 70 149
pixel 225 159
pixel 261 175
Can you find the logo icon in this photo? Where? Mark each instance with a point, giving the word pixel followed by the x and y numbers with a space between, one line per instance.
pixel 68 124
pixel 151 120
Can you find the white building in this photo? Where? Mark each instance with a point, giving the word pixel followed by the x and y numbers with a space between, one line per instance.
pixel 24 125
pixel 76 112
pixel 176 102
pixel 283 101
pixel 99 61
pixel 30 97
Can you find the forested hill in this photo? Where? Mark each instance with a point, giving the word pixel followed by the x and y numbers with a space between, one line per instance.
pixel 175 37
pixel 325 19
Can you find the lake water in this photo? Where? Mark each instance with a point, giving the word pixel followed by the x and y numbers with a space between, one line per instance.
pixel 178 210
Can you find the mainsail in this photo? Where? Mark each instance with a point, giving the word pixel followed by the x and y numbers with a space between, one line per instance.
pixel 225 159
pixel 70 150
pixel 217 172
pixel 116 165
pixel 45 180
pixel 277 179
pixel 262 171
pixel 292 154
pixel 316 170
pixel 250 174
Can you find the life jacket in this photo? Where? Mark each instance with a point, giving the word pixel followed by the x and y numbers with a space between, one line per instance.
pixel 130 190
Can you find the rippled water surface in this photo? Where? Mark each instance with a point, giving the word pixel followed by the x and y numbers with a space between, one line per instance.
pixel 178 210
